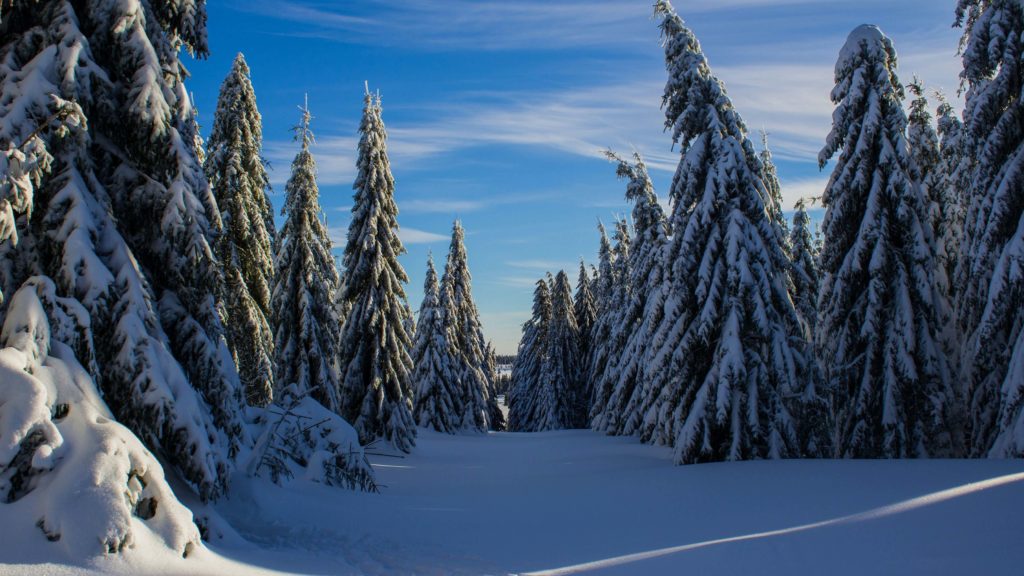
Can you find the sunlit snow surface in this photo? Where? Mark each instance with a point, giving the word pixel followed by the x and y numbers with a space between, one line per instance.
pixel 578 502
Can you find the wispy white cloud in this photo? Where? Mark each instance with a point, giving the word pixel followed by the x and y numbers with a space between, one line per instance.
pixel 414 236
pixel 477 24
pixel 518 281
pixel 336 156
pixel 409 236
pixel 583 121
pixel 441 206
pixel 335 159
pixel 490 24
pixel 790 101
pixel 338 235
pixel 802 189
pixel 782 87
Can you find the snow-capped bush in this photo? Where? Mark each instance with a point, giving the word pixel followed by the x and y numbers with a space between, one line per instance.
pixel 67 469
pixel 300 439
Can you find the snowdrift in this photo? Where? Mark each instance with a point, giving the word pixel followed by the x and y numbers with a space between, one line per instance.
pixel 67 469
pixel 75 485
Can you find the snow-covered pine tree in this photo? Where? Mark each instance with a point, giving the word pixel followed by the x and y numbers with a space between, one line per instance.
pixel 238 175
pixel 95 108
pixel 881 311
pixel 529 363
pixel 197 138
pixel 304 320
pixel 991 314
pixel 812 410
pixel 497 415
pixel 375 347
pixel 770 176
pixel 805 273
pixel 729 349
pixel 466 338
pixel 436 402
pixel 926 158
pixel 955 170
pixel 585 309
pixel 559 385
pixel 603 284
pixel 640 312
pixel 607 338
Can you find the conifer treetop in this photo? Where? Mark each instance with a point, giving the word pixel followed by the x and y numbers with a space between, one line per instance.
pixel 864 73
pixel 687 115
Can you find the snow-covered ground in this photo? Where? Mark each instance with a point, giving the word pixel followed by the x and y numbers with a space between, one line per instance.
pixel 579 502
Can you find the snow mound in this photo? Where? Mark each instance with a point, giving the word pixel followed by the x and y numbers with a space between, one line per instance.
pixel 300 439
pixel 70 474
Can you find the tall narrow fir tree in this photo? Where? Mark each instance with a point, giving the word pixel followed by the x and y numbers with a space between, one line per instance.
pixel 559 384
pixel 638 316
pixel 436 400
pixel 466 337
pixel 529 364
pixel 237 173
pixel 374 356
pixel 585 310
pixel 304 319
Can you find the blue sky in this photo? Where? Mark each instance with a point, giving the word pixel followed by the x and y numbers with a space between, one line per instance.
pixel 497 111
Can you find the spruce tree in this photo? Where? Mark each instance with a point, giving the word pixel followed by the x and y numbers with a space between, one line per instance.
pixel 812 410
pixel 466 337
pixel 990 315
pixel 304 320
pixel 375 347
pixel 729 348
pixel 436 400
pixel 529 364
pixel 237 173
pixel 608 338
pixel 638 316
pixel 605 282
pixel 497 415
pixel 882 315
pixel 956 167
pixel 96 117
pixel 926 159
pixel 585 309
pixel 770 176
pixel 603 287
pixel 941 213
pixel 805 273
pixel 559 385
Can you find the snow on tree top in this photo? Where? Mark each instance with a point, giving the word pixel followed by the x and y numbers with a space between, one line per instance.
pixel 865 36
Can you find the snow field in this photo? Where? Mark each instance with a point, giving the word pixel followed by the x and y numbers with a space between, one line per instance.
pixel 578 502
